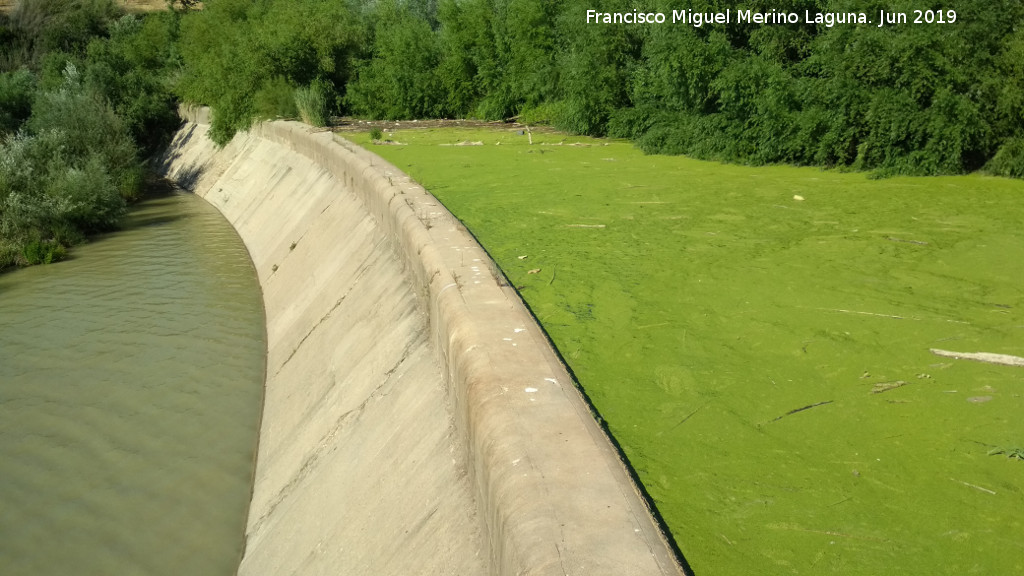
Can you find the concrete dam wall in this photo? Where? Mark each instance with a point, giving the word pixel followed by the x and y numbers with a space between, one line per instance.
pixel 416 419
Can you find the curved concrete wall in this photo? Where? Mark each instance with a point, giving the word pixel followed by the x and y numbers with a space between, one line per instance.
pixel 416 420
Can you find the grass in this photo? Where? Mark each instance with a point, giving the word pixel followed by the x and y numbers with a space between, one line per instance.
pixel 764 360
pixel 312 104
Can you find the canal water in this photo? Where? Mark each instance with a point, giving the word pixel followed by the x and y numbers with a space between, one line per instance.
pixel 131 384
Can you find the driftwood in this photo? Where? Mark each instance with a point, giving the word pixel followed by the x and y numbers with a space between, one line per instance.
pixel 1002 359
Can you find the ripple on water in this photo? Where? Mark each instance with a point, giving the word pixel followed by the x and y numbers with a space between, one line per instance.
pixel 131 379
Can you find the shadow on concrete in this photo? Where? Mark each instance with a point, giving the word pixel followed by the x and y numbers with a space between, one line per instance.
pixel 187 177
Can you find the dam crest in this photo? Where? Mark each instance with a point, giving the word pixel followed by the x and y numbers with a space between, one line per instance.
pixel 416 419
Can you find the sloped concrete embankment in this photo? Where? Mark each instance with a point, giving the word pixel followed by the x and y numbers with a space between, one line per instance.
pixel 416 420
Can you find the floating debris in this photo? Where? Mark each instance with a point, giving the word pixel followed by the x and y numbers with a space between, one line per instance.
pixel 886 386
pixel 808 407
pixel 1017 453
pixel 918 242
pixel 988 357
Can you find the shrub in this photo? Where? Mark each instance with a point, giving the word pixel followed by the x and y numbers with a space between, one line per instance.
pixel 81 87
pixel 593 67
pixel 314 103
pixel 276 99
pixel 66 173
pixel 10 253
pixel 16 90
pixel 43 252
pixel 89 127
pixel 84 196
pixel 1009 160
pixel 541 114
pixel 47 193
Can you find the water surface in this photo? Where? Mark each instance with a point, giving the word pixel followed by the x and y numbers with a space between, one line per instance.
pixel 131 382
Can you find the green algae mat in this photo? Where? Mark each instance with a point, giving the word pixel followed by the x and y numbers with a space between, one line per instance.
pixel 759 342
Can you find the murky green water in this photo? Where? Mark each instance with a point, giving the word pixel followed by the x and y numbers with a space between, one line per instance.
pixel 764 361
pixel 131 382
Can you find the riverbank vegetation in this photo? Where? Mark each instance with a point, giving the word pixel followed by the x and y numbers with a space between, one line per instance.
pixel 920 99
pixel 758 341
pixel 84 100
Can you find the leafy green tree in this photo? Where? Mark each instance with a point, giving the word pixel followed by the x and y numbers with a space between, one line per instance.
pixel 594 63
pixel 525 45
pixel 131 68
pixel 469 66
pixel 37 27
pixel 399 80
pixel 236 53
pixel 906 99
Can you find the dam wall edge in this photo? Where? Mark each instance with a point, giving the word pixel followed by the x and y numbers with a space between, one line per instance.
pixel 552 493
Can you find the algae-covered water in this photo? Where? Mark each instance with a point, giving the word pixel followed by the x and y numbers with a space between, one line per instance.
pixel 757 340
pixel 131 380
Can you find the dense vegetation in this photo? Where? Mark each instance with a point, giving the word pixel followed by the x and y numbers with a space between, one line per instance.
pixel 83 100
pixel 247 59
pixel 911 98
pixel 87 92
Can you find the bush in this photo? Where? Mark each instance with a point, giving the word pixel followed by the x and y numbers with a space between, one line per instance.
pixel 90 127
pixel 47 193
pixel 43 252
pixel 16 91
pixel 593 67
pixel 1009 160
pixel 276 99
pixel 10 253
pixel 541 114
pixel 67 172
pixel 314 103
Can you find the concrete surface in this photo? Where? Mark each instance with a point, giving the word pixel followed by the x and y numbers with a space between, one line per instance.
pixel 416 420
